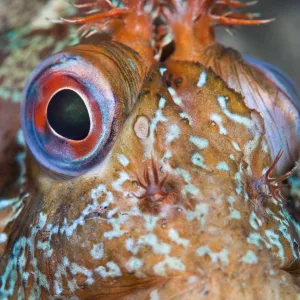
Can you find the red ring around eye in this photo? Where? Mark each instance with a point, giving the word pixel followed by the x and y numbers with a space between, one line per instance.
pixel 61 154
pixel 54 84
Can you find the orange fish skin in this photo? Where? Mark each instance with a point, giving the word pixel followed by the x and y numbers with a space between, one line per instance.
pixel 176 205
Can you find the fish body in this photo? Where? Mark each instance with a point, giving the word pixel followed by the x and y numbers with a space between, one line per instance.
pixel 172 192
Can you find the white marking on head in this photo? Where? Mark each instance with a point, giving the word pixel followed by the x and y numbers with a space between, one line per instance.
pixel 117 185
pixel 172 262
pixel 123 160
pixel 148 143
pixel 214 256
pixel 177 100
pixel 234 214
pixel 174 236
pixel 141 127
pixel 162 70
pixel 147 240
pixel 97 251
pixel 255 239
pixel 150 222
pixel 236 146
pixel 202 79
pixel 250 258
pixel 274 239
pixel 198 160
pixel 222 166
pixel 116 231
pixel 3 237
pixel 247 122
pixel 134 264
pixel 184 115
pixel 189 188
pixel 113 270
pixel 218 119
pixel 254 221
pixel 283 227
pixel 238 178
pixel 200 213
pixel 201 143
pixel 172 134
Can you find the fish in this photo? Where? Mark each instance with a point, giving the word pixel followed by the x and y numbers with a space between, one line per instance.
pixel 143 172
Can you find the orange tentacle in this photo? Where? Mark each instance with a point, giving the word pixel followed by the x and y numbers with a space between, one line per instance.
pixel 114 13
pixel 224 20
pixel 235 4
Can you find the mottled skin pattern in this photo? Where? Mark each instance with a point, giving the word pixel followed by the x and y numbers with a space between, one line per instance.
pixel 90 237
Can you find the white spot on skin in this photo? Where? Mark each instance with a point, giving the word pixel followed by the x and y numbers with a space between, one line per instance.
pixel 234 214
pixel 159 117
pixel 202 79
pixel 256 238
pixel 238 178
pixel 200 213
pixel 116 224
pixel 254 221
pixel 177 100
pixel 222 166
pixel 20 138
pixel 274 239
pixel 97 251
pixel 45 247
pixel 134 264
pixel 154 295
pixel 232 156
pixel 198 160
pixel 76 269
pixel 117 185
pixel 250 258
pixel 236 146
pixel 184 115
pixel 247 122
pixel 218 119
pixel 214 256
pixel 3 238
pixel 174 236
pixel 150 222
pixel 123 160
pixel 147 240
pixel 201 143
pixel 189 188
pixel 162 71
pixel 173 133
pixel 113 270
pixel 284 226
pixel 141 127
pixel 172 262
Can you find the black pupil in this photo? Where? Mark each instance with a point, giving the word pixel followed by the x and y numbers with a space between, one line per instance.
pixel 68 116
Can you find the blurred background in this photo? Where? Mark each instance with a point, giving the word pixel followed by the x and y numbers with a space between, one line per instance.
pixel 277 43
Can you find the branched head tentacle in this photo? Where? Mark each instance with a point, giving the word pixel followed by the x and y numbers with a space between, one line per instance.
pixel 271 187
pixel 154 189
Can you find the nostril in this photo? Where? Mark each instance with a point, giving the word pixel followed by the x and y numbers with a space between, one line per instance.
pixel 68 115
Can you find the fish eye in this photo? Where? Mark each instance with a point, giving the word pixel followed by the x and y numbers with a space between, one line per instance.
pixel 68 114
